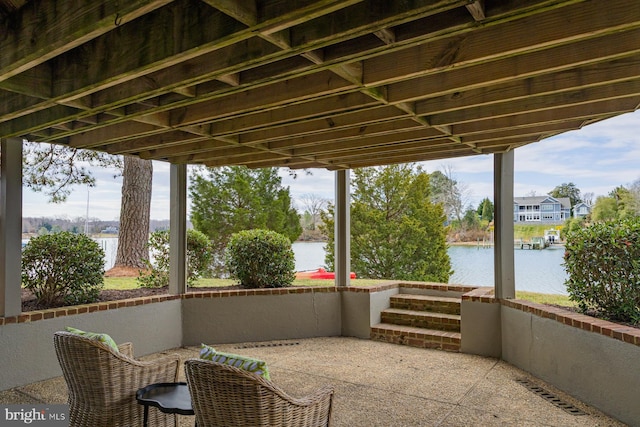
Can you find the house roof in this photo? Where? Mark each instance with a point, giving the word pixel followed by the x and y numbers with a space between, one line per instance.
pixel 536 200
pixel 313 83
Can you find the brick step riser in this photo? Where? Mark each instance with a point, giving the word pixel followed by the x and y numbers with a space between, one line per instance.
pixel 422 342
pixel 451 325
pixel 433 306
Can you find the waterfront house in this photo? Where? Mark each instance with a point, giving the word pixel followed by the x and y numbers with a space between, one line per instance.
pixel 581 210
pixel 541 209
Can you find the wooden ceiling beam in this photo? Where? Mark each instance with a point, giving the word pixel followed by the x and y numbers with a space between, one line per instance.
pixel 476 9
pixel 344 32
pixel 533 131
pixel 531 104
pixel 376 140
pixel 587 21
pixel 409 156
pixel 53 28
pixel 221 33
pixel 222 160
pixel 363 117
pixel 592 75
pixel 333 84
pixel 386 150
pixel 349 138
pixel 550 116
pixel 167 139
pixel 425 11
pixel 517 68
pixel 245 11
pixel 260 119
pixel 194 146
pixel 262 98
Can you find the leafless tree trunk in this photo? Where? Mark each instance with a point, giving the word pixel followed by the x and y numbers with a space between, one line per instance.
pixel 313 204
pixel 134 213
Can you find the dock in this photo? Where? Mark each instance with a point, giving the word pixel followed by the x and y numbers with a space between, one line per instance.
pixel 534 243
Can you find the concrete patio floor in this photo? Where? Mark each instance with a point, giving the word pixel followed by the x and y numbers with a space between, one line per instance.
pixel 379 384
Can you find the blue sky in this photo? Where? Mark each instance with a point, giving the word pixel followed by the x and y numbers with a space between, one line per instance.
pixel 596 158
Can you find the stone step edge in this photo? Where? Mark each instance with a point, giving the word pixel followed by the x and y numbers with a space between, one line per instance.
pixel 422 314
pixel 417 297
pixel 421 333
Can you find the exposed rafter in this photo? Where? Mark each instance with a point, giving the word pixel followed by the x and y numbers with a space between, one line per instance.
pixel 313 83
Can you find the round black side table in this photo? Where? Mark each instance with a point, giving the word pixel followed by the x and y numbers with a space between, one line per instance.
pixel 170 398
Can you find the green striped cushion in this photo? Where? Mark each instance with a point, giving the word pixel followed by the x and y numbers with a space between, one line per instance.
pixel 258 367
pixel 103 338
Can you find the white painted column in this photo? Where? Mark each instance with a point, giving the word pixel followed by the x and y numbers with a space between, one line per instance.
pixel 178 230
pixel 504 268
pixel 342 235
pixel 10 226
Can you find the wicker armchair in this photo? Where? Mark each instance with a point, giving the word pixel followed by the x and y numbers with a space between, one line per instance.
pixel 222 395
pixel 103 383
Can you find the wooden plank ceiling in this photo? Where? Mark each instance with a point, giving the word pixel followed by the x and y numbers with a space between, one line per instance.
pixel 313 83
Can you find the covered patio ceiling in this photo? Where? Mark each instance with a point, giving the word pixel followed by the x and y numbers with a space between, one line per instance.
pixel 313 83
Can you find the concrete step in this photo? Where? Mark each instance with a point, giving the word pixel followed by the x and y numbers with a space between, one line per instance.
pixel 435 304
pixel 421 319
pixel 416 337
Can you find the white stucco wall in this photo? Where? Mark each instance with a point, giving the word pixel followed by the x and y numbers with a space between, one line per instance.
pixel 27 353
pixel 234 319
pixel 480 328
pixel 361 310
pixel 594 368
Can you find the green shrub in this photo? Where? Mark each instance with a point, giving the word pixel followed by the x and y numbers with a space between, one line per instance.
pixel 63 269
pixel 198 259
pixel 603 263
pixel 260 259
pixel 571 224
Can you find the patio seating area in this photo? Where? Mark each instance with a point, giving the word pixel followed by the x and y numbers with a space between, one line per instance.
pixel 380 384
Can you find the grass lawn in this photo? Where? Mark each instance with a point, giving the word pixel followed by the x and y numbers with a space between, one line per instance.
pixel 526 232
pixel 131 283
pixel 553 299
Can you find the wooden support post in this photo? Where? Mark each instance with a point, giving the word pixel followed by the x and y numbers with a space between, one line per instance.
pixel 342 234
pixel 178 230
pixel 504 268
pixel 10 226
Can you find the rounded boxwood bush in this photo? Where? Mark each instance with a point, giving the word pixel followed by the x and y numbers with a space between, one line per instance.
pixel 199 256
pixel 260 259
pixel 603 263
pixel 63 269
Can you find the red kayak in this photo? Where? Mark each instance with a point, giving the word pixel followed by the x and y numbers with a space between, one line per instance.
pixel 320 273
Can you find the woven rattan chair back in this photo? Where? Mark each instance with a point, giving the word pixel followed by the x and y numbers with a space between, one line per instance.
pixel 223 395
pixel 102 382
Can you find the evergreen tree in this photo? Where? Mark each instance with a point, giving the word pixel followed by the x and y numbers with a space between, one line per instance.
pixel 567 190
pixel 485 209
pixel 231 199
pixel 396 231
pixel 470 220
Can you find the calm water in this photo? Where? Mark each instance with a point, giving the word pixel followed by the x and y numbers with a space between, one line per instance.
pixel 536 271
pixel 309 256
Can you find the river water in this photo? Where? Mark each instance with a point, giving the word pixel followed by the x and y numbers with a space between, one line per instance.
pixel 536 270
